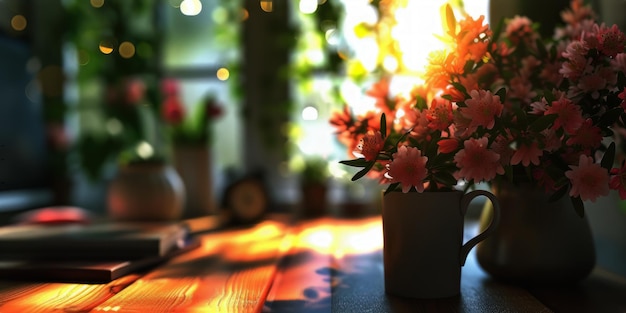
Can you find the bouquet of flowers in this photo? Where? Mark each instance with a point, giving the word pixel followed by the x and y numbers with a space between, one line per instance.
pixel 502 103
pixel 188 128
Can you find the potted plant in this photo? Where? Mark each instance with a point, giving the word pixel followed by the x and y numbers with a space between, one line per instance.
pixel 314 187
pixel 191 135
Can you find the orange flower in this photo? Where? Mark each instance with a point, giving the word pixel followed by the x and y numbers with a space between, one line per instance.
pixel 369 146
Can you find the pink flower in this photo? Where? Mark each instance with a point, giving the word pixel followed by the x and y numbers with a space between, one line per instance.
pixel 611 40
pixel 592 83
pixel 135 90
pixel 408 168
pixel 589 180
pixel 369 146
pixel 577 61
pixel 482 108
pixel 447 145
pixel 588 136
pixel 169 87
pixel 521 88
pixel 520 29
pixel 527 154
pixel 618 181
pixel 502 146
pixel 439 114
pixel 551 142
pixel 569 115
pixel 539 107
pixel 577 12
pixel 173 111
pixel 543 179
pixel 413 119
pixel 476 162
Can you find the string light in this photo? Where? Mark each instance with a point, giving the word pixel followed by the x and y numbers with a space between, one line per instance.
pixel 191 7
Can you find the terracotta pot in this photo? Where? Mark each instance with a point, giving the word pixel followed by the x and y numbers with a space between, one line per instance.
pixel 146 192
pixel 423 242
pixel 194 165
pixel 314 199
pixel 538 242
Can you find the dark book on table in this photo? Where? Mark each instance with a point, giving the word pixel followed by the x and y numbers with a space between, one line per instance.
pixel 103 241
pixel 85 271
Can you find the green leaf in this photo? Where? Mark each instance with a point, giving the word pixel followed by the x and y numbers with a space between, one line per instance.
pixel 420 103
pixel 469 65
pixel 391 188
pixel 609 157
pixel 450 20
pixel 611 116
pixel 543 122
pixel 558 194
pixel 621 79
pixel 579 206
pixel 502 94
pixel 459 87
pixel 383 125
pixel 364 171
pixel 446 178
pixel 521 116
pixel 541 47
pixel 360 162
pixel 498 29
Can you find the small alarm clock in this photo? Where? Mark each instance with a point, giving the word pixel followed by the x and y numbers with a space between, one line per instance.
pixel 246 199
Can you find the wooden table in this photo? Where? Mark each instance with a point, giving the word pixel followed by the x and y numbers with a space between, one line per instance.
pixel 321 265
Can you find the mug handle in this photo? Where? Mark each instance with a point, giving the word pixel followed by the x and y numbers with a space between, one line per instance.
pixel 495 220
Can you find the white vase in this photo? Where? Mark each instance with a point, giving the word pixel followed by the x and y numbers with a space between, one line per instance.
pixel 194 165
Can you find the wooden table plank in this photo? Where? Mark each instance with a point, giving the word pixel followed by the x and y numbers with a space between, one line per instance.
pixel 59 297
pixel 231 271
pixel 304 282
pixel 355 276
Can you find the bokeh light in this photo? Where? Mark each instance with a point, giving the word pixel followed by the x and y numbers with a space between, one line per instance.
pixel 267 5
pixel 114 127
pixel 96 3
pixel 191 7
pixel 106 46
pixel 307 6
pixel 127 50
pixel 309 113
pixel 83 57
pixel 222 74
pixel 145 150
pixel 219 15
pixel 144 50
pixel 18 22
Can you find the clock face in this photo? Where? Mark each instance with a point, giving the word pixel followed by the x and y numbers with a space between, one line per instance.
pixel 248 200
